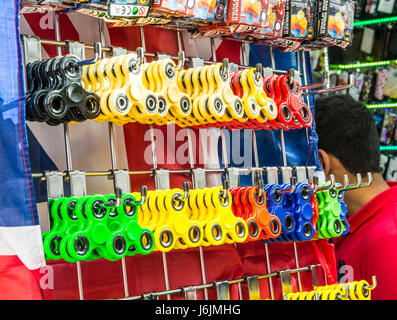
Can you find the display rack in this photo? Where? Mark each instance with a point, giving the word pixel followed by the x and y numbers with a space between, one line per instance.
pixel 227 170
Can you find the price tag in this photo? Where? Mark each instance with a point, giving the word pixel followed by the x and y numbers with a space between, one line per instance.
pixel 127 10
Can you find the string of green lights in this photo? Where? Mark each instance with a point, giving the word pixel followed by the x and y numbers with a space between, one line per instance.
pixel 388 148
pixel 370 65
pixel 382 105
pixel 362 65
pixel 359 23
pixel 374 21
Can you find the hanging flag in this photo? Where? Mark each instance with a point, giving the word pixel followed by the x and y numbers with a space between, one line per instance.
pixel 21 250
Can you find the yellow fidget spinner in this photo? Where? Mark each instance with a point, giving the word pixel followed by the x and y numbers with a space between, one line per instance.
pixel 186 85
pixel 162 77
pixel 160 91
pixel 268 108
pixel 153 83
pixel 148 214
pixel 118 81
pixel 200 88
pixel 94 79
pixel 250 105
pixel 115 96
pixel 233 104
pixel 213 231
pixel 357 290
pixel 236 228
pixel 199 102
pixel 101 77
pixel 177 228
pixel 144 103
pixel 212 102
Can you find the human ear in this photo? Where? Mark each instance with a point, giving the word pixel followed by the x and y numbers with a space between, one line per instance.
pixel 325 161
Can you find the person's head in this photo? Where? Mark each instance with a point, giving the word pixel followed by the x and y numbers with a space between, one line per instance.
pixel 348 140
pixel 347 136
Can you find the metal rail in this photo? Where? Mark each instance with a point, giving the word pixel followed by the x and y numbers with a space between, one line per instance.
pixel 235 281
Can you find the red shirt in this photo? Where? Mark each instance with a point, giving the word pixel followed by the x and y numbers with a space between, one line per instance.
pixel 370 248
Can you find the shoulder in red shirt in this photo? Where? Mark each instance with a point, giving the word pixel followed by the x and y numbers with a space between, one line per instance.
pixel 370 248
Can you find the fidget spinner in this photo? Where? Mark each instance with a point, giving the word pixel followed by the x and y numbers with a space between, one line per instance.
pixel 357 290
pixel 54 92
pixel 250 204
pixel 293 113
pixel 183 219
pixel 92 227
pixel 329 222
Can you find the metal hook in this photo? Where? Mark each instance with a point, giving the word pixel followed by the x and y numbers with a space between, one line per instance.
pixel 347 293
pixel 258 71
pixel 66 46
pixel 357 185
pixel 97 55
pixel 343 87
pixel 359 181
pixel 345 183
pixel 140 58
pixel 119 194
pixel 331 186
pixel 317 85
pixel 369 181
pixel 293 186
pixel 374 283
pixel 143 196
pixel 225 185
pixel 316 182
pixel 186 192
pixel 181 60
pixel 291 73
pixel 261 186
pixel 190 293
pixel 225 66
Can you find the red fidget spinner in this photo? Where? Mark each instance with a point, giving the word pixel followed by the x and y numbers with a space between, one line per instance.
pixel 293 112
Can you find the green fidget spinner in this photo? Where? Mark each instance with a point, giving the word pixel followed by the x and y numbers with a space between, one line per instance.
pixel 92 227
pixel 329 223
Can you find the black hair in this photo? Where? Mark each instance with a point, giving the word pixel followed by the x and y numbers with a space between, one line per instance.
pixel 347 130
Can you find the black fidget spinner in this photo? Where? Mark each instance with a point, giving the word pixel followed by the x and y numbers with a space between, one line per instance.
pixel 55 94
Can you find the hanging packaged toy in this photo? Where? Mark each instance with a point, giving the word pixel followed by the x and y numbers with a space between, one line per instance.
pixel 263 18
pixel 300 22
pixel 336 22
pixel 208 10
pixel 175 8
pixel 31 6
